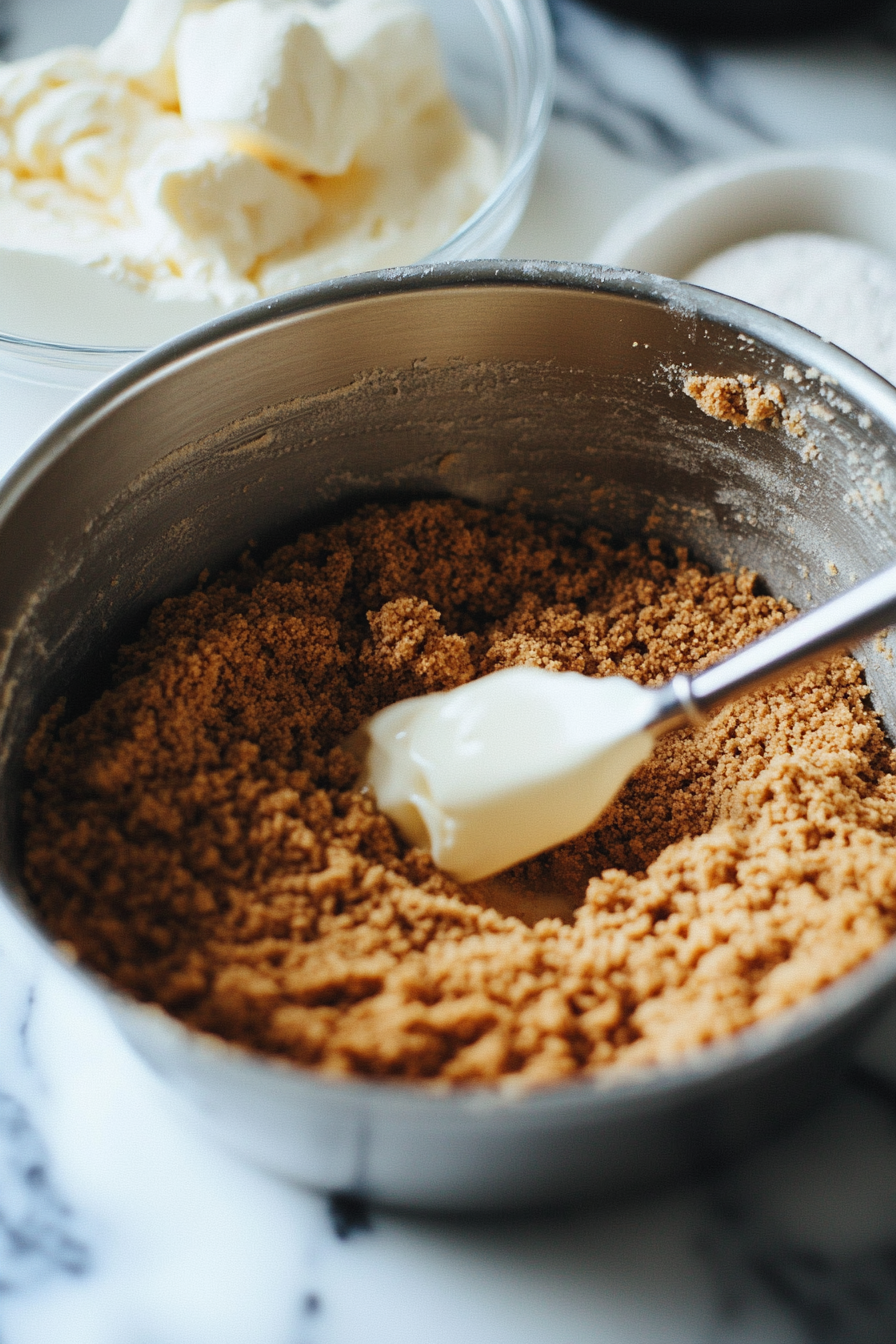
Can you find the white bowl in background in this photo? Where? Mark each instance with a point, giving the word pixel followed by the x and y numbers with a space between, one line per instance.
pixel 848 192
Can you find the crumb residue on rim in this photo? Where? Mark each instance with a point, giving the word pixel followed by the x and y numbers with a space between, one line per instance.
pixel 195 836
pixel 743 400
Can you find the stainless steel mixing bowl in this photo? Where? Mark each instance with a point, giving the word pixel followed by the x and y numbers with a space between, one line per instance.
pixel 477 380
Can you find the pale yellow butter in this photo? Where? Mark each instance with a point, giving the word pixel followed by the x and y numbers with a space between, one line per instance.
pixel 220 153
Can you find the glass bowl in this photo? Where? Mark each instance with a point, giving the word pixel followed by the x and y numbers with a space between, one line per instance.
pixel 499 58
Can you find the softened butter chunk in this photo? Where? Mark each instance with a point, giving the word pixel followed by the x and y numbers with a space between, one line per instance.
pixel 392 46
pixel 22 83
pixel 224 201
pixel 265 74
pixel 83 132
pixel 216 152
pixel 141 47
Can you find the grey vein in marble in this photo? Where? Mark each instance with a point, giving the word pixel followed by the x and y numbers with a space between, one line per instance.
pixel 654 101
pixel 36 1234
pixel 39 1235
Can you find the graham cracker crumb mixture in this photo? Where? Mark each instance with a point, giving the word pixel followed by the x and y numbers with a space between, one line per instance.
pixel 195 837
pixel 743 400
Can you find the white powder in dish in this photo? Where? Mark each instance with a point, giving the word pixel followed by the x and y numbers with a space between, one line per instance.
pixel 843 290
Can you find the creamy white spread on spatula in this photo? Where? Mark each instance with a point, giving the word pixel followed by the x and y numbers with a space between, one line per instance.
pixel 230 151
pixel 506 766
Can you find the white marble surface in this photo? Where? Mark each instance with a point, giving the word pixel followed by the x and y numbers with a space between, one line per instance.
pixel 121 1225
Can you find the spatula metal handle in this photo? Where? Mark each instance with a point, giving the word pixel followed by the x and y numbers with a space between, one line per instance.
pixel 846 619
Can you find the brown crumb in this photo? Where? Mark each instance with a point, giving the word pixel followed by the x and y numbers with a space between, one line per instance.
pixel 195 836
pixel 742 401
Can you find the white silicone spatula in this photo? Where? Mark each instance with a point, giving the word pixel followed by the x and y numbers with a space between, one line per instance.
pixel 518 761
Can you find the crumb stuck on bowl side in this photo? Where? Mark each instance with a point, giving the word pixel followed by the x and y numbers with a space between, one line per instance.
pixel 744 400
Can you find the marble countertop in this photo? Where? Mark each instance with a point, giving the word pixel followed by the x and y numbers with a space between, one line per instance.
pixel 121 1224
